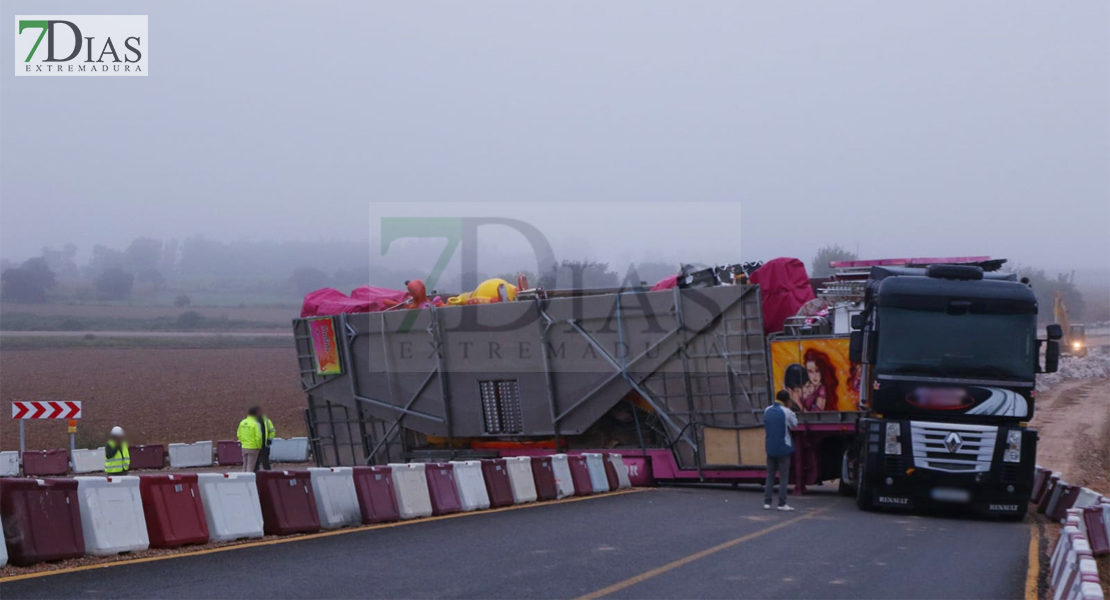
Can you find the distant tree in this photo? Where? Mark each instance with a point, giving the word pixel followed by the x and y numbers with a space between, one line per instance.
pixel 143 258
pixel 62 262
pixel 114 284
pixel 189 320
pixel 307 279
pixel 182 300
pixel 103 258
pixel 579 275
pixel 29 282
pixel 831 253
pixel 1045 288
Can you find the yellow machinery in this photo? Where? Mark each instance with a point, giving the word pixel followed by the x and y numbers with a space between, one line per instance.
pixel 1075 336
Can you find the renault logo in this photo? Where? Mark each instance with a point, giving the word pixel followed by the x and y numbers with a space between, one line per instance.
pixel 953 442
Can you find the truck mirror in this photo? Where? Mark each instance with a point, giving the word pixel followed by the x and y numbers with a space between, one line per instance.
pixel 857 321
pixel 1055 331
pixel 1051 356
pixel 855 344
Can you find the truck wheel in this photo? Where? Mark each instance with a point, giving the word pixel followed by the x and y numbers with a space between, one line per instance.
pixel 846 487
pixel 863 495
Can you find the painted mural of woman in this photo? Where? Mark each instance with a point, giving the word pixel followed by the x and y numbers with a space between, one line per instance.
pixel 819 392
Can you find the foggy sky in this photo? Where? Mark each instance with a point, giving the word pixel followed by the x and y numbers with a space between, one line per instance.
pixel 931 128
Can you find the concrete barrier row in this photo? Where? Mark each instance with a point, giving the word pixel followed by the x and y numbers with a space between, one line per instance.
pixel 1085 514
pixel 57 519
pixel 181 456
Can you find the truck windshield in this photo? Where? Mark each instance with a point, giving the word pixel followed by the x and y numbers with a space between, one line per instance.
pixel 972 345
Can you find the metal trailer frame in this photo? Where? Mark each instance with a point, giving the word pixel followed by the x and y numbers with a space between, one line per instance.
pixel 686 361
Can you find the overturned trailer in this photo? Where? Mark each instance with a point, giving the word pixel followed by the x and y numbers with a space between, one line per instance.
pixel 675 380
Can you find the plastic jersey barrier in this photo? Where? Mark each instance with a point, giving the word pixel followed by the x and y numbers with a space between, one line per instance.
pixel 112 514
pixel 288 502
pixel 621 469
pixel 41 520
pixel 197 454
pixel 580 475
pixel 498 488
pixel 336 498
pixel 231 506
pixel 564 483
pixel 88 461
pixel 442 489
pixel 45 462
pixel 610 472
pixel 596 463
pixel 543 476
pixel 376 500
pixel 174 510
pixel 149 456
pixel 520 477
pixel 9 463
pixel 3 555
pixel 470 485
pixel 411 488
pixel 229 453
pixel 290 450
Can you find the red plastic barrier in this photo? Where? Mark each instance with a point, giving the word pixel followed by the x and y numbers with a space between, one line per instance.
pixel 45 462
pixel 544 476
pixel 1050 487
pixel 151 456
pixel 580 475
pixel 498 487
pixel 1093 518
pixel 41 520
pixel 1068 496
pixel 441 488
pixel 288 505
pixel 229 453
pixel 610 472
pixel 376 500
pixel 1040 482
pixel 639 470
pixel 173 510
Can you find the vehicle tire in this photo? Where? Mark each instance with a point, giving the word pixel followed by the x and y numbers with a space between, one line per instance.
pixel 846 486
pixel 864 499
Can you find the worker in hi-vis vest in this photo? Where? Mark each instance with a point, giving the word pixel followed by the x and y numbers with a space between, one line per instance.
pixel 255 434
pixel 264 455
pixel 117 458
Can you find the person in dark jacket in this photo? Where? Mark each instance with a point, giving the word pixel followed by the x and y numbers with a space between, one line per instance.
pixel 778 421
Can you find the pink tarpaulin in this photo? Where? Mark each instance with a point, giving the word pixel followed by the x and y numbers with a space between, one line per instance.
pixel 665 284
pixel 784 288
pixel 330 301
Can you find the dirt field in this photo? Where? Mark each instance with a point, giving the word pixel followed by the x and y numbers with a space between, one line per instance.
pixel 159 395
pixel 276 316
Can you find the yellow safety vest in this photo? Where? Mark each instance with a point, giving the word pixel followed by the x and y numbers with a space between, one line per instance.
pixel 250 433
pixel 120 460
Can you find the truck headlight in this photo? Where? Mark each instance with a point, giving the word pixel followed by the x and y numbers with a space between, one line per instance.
pixel 893 443
pixel 1013 447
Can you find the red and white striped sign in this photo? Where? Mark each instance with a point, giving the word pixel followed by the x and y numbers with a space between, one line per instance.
pixel 62 409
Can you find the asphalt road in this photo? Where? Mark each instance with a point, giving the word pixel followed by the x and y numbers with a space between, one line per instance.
pixel 666 543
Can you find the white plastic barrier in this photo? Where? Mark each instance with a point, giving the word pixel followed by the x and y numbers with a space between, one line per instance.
pixel 231 506
pixel 3 555
pixel 471 485
pixel 564 482
pixel 9 463
pixel 623 482
pixel 111 514
pixel 291 450
pixel 336 498
pixel 596 465
pixel 411 488
pixel 520 477
pixel 1087 497
pixel 88 461
pixel 197 454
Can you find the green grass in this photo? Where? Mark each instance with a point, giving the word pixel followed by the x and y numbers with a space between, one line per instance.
pixel 94 341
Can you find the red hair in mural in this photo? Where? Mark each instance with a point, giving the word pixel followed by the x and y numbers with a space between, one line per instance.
pixel 819 392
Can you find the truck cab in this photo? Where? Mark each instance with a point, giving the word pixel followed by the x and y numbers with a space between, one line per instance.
pixel 949 356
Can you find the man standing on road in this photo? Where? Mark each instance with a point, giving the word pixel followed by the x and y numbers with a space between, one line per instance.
pixel 252 438
pixel 117 457
pixel 777 422
pixel 268 440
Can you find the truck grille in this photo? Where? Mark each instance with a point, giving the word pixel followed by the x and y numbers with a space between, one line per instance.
pixel 951 447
